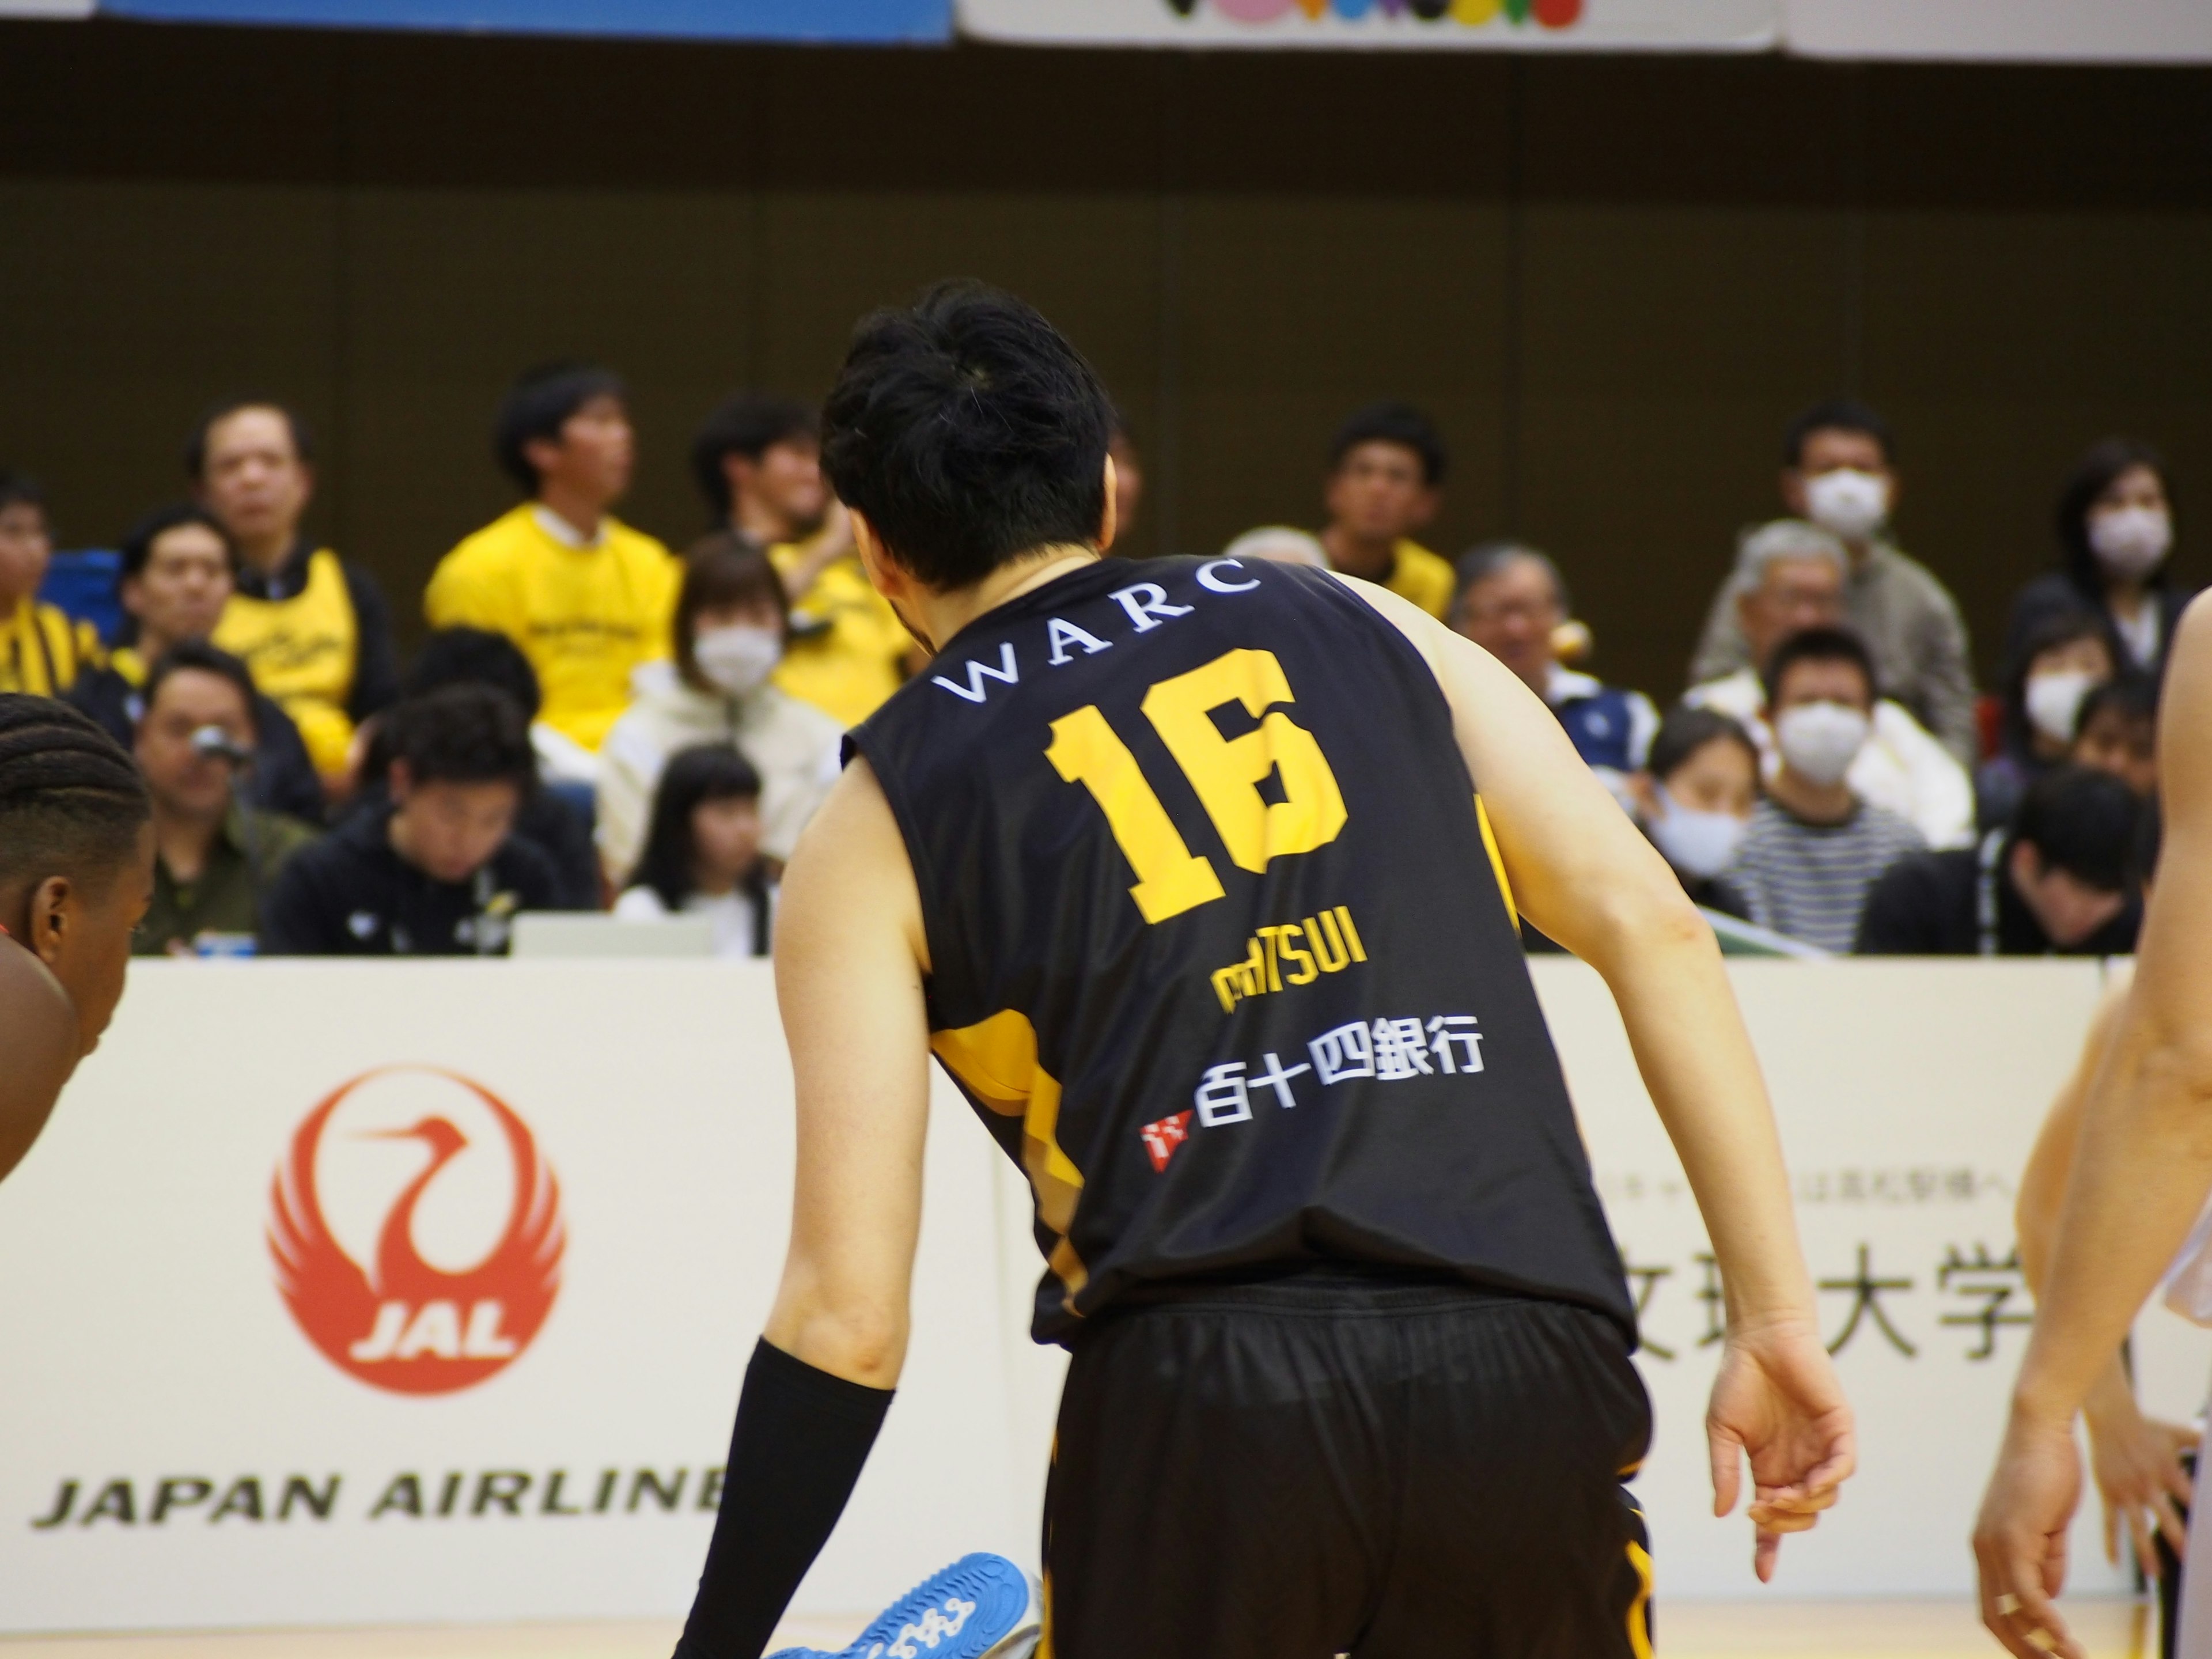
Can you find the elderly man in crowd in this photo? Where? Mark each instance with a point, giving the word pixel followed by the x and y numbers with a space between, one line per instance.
pixel 1792 576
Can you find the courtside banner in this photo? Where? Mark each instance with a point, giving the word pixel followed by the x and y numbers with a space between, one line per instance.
pixel 858 22
pixel 1384 25
pixel 2048 31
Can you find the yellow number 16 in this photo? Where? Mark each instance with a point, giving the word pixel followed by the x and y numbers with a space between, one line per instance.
pixel 1226 772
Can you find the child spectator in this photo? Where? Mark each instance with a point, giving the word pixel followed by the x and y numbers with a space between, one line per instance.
pixel 2117 733
pixel 1814 849
pixel 1386 474
pixel 42 651
pixel 2060 880
pixel 703 852
pixel 1695 800
pixel 2064 657
pixel 730 628
pixel 438 872
pixel 216 858
pixel 582 595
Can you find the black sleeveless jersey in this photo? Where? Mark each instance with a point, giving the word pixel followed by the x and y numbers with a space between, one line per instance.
pixel 1220 950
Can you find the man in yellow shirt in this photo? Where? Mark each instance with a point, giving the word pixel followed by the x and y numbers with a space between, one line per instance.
pixel 757 461
pixel 312 627
pixel 42 649
pixel 1386 474
pixel 587 598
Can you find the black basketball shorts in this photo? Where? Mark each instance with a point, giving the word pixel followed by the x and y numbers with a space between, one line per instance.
pixel 1337 1463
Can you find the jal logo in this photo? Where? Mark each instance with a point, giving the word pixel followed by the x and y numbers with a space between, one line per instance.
pixel 416 1231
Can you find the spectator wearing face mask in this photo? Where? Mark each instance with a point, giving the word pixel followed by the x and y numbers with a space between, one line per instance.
pixel 1793 575
pixel 1695 800
pixel 2059 880
pixel 1814 849
pixel 1513 603
pixel 2116 731
pixel 703 852
pixel 2067 655
pixel 729 627
pixel 1839 471
pixel 2114 523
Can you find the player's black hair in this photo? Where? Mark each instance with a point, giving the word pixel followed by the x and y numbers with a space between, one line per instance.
pixel 198 657
pixel 71 801
pixel 723 571
pixel 968 431
pixel 2131 695
pixel 705 772
pixel 463 733
pixel 539 405
pixel 475 656
pixel 2084 822
pixel 1821 644
pixel 138 545
pixel 20 490
pixel 1836 415
pixel 1687 729
pixel 1396 423
pixel 195 444
pixel 748 423
pixel 2097 471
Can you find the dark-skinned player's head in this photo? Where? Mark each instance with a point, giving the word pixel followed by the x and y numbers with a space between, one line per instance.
pixel 968 433
pixel 76 850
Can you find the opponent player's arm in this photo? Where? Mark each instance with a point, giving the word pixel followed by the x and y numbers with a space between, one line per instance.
pixel 848 955
pixel 39 1041
pixel 1583 873
pixel 2142 1167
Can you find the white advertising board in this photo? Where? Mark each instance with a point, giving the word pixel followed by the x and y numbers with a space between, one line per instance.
pixel 2052 31
pixel 1384 25
pixel 568 1182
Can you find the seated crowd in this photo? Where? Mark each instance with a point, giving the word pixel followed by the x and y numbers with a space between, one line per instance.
pixel 596 722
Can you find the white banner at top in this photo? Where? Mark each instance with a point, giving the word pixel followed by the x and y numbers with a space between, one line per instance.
pixel 2020 30
pixel 1384 25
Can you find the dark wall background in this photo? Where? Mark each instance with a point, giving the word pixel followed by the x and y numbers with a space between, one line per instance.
pixel 1611 280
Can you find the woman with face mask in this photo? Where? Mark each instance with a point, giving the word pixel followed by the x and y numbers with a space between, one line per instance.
pixel 2116 536
pixel 2064 657
pixel 1694 799
pixel 731 622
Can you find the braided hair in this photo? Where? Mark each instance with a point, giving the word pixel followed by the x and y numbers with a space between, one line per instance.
pixel 71 801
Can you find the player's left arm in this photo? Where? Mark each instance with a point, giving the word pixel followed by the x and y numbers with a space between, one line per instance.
pixel 1585 875
pixel 849 962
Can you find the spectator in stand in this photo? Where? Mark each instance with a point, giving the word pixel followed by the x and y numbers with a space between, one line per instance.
pixel 438 873
pixel 216 857
pixel 757 461
pixel 2059 881
pixel 1279 543
pixel 2116 543
pixel 582 595
pixel 1814 849
pixel 548 819
pixel 732 620
pixel 1839 471
pixel 42 650
pixel 2117 733
pixel 1793 575
pixel 176 577
pixel 1386 474
pixel 703 852
pixel 1511 602
pixel 1128 478
pixel 313 627
pixel 2066 655
pixel 1695 798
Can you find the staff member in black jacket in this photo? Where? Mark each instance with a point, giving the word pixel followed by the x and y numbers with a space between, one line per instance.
pixel 437 873
pixel 2060 879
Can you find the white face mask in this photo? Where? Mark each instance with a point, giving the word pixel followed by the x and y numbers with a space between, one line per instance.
pixel 1847 502
pixel 2131 542
pixel 737 659
pixel 2054 701
pixel 1698 844
pixel 1820 740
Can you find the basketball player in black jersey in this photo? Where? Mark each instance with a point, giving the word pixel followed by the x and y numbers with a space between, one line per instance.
pixel 1199 876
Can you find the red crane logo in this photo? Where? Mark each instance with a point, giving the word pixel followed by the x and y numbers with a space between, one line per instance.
pixel 408 1326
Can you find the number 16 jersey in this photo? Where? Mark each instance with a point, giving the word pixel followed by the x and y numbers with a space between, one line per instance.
pixel 1220 949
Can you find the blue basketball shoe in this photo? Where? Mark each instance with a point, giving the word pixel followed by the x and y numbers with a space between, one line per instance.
pixel 981 1607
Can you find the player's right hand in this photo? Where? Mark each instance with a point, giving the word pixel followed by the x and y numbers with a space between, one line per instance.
pixel 2020 1542
pixel 1777 1401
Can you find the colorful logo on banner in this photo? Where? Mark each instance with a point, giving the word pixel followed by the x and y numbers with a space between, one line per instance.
pixel 395 1320
pixel 1473 13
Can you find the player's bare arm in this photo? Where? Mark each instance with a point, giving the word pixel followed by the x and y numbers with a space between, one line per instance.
pixel 1583 873
pixel 2142 1168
